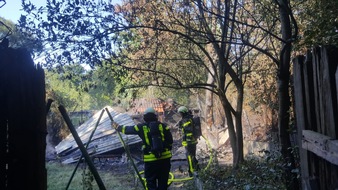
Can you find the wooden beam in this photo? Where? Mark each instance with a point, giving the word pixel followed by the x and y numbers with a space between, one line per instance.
pixel 301 97
pixel 323 146
pixel 82 148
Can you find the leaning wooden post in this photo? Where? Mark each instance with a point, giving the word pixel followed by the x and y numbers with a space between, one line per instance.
pixel 90 138
pixel 82 148
pixel 127 152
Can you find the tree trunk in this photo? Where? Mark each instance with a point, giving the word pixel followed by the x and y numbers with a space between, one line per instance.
pixel 239 126
pixel 284 96
pixel 231 130
pixel 209 105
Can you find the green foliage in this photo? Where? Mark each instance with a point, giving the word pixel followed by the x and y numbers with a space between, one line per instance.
pixel 66 87
pixel 16 38
pixel 6 27
pixel 260 86
pixel 81 31
pixel 102 87
pixel 254 174
pixel 80 89
pixel 318 22
pixel 76 89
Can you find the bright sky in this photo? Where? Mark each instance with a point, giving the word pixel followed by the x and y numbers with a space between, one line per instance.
pixel 12 9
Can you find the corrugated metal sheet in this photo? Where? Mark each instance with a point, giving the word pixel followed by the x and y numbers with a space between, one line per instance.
pixel 105 138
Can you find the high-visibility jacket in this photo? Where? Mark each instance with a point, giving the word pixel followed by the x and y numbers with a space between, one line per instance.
pixel 188 130
pixel 143 131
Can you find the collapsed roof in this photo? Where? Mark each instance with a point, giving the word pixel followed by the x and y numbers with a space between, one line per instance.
pixel 103 138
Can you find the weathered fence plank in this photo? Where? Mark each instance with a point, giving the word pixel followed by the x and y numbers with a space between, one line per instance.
pixel 328 64
pixel 321 145
pixel 315 86
pixel 300 103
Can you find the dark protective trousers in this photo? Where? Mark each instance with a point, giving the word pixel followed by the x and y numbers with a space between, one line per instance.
pixel 191 158
pixel 157 174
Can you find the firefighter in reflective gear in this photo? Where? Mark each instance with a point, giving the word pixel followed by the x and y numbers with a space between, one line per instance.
pixel 190 127
pixel 157 144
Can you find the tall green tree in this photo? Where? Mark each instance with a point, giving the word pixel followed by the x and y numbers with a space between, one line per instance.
pixel 80 89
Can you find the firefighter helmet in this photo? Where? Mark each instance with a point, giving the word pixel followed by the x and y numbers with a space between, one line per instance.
pixel 182 109
pixel 149 110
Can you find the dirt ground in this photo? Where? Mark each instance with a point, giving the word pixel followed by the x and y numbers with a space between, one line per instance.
pixel 179 172
pixel 179 168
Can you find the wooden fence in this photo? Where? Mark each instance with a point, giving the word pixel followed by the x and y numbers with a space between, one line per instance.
pixel 315 96
pixel 22 121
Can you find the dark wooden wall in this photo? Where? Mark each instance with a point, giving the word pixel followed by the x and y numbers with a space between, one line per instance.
pixel 22 122
pixel 315 95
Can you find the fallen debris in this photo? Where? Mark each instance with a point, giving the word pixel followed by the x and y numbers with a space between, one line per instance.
pixel 104 141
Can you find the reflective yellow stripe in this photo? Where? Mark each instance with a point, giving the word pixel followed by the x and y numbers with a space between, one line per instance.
pixel 151 157
pixel 123 129
pixel 145 132
pixel 189 139
pixel 186 123
pixel 160 128
pixel 145 183
pixel 185 143
pixel 191 169
pixel 136 128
